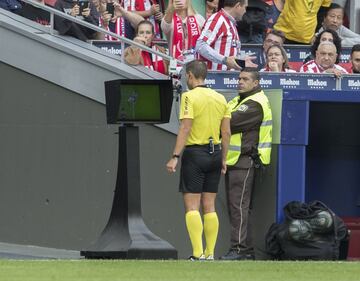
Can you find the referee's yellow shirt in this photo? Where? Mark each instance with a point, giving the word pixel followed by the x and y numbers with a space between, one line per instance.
pixel 206 108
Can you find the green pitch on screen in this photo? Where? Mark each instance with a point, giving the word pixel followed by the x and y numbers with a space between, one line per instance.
pixel 139 102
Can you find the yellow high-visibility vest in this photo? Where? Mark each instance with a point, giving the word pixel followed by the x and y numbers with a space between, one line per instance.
pixel 265 134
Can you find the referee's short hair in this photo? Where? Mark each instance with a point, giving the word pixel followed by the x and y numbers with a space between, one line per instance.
pixel 254 72
pixel 197 68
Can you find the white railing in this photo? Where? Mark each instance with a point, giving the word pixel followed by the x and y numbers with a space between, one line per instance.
pixel 122 39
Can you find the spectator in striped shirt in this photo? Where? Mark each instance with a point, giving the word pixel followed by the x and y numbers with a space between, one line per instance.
pixel 219 42
pixel 324 62
pixel 148 9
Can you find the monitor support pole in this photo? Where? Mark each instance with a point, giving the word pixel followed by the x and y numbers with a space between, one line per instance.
pixel 126 236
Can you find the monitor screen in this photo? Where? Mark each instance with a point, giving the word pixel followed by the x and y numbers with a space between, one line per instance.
pixel 138 101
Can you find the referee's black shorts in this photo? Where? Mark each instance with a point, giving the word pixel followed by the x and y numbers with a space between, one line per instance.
pixel 200 170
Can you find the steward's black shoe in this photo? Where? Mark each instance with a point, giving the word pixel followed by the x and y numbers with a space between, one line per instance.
pixel 235 254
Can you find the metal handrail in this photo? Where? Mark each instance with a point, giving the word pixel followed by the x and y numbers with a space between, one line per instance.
pixel 122 39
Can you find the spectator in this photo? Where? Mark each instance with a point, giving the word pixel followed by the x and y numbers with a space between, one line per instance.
pixel 148 9
pixel 324 61
pixel 298 20
pixel 211 7
pixel 274 37
pixel 66 27
pixel 120 21
pixel 133 55
pixel 277 60
pixel 326 35
pixel 333 19
pixel 35 14
pixel 355 59
pixel 276 6
pixel 181 26
pixel 219 42
pixel 252 27
pixel 10 5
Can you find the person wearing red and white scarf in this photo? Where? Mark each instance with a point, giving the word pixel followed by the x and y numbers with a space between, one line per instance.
pixel 219 42
pixel 324 61
pixel 182 26
pixel 148 9
pixel 135 56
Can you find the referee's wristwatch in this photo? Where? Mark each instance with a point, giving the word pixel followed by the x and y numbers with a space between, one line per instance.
pixel 177 156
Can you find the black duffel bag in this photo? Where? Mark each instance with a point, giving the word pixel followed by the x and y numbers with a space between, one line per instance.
pixel 310 232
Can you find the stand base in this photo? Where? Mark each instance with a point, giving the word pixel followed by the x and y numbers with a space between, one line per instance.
pixel 134 241
pixel 126 236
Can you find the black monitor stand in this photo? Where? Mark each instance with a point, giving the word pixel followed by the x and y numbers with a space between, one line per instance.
pixel 126 236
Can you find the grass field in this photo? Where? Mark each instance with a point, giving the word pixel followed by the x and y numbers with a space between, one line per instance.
pixel 91 270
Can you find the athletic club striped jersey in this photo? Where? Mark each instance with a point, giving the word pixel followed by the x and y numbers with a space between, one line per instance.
pixel 312 67
pixel 220 33
pixel 143 5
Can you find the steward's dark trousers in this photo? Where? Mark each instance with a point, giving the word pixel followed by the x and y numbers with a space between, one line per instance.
pixel 239 184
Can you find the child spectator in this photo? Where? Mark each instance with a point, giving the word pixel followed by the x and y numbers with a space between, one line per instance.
pixel 277 60
pixel 182 25
pixel 135 56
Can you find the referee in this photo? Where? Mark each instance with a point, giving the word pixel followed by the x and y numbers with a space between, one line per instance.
pixel 204 114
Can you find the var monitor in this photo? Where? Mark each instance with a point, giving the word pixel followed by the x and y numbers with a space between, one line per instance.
pixel 138 101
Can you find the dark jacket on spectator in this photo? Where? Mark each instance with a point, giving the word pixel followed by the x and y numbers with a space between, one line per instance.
pixel 35 14
pixel 10 5
pixel 66 27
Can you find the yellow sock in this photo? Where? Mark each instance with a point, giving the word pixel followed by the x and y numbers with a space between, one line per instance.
pixel 211 229
pixel 195 228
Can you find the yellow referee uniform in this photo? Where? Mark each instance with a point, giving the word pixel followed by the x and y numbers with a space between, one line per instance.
pixel 206 108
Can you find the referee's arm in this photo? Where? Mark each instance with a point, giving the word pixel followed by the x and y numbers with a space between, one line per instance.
pixel 225 140
pixel 184 131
